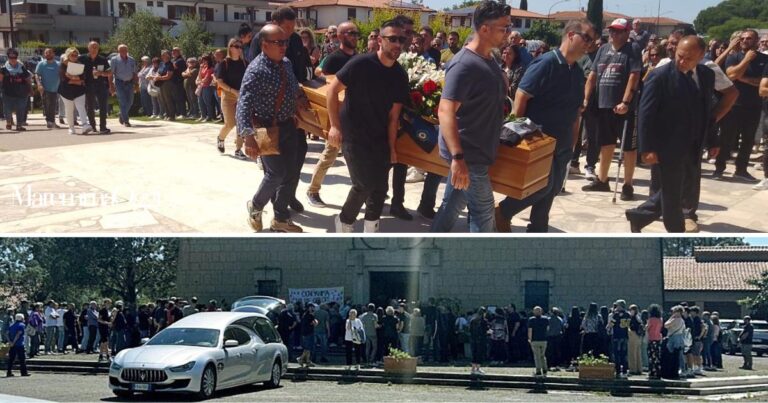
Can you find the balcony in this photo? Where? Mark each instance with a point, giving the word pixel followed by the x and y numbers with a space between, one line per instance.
pixel 82 23
pixel 32 22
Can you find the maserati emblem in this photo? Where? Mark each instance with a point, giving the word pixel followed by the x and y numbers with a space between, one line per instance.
pixel 143 375
pixel 422 135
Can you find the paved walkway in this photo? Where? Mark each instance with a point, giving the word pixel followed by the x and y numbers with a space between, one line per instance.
pixel 164 177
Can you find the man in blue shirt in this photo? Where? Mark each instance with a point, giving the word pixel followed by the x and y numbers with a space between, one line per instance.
pixel 124 74
pixel 551 94
pixel 16 335
pixel 47 76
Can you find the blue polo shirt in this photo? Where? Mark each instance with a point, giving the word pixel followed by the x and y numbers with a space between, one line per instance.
pixel 557 91
pixel 16 328
pixel 49 75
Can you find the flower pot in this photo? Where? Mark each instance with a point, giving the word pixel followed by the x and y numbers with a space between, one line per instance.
pixel 4 350
pixel 598 371
pixel 403 366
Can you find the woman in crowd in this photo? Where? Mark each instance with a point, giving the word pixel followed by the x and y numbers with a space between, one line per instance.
pixel 205 91
pixel 717 349
pixel 653 331
pixel 390 325
pixel 165 74
pixel 499 338
pixel 636 333
pixel 590 327
pixel 229 75
pixel 308 40
pixel 146 99
pixel 655 54
pixel 380 334
pixel 72 91
pixel 675 326
pixel 17 88
pixel 157 106
pixel 36 322
pixel 417 332
pixel 478 340
pixel 513 67
pixel 605 338
pixel 572 337
pixel 190 85
pixel 644 342
pixel 354 339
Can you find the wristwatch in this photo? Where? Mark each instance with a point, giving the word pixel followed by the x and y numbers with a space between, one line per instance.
pixel 458 157
pixel 625 103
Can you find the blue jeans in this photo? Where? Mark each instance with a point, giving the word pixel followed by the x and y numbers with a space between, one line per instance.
pixel 17 104
pixel 146 102
pixel 322 340
pixel 620 351
pixel 124 92
pixel 207 100
pixel 478 197
pixel 280 172
pixel 541 201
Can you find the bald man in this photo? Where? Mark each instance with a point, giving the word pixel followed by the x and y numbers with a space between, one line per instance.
pixel 98 86
pixel 674 124
pixel 124 74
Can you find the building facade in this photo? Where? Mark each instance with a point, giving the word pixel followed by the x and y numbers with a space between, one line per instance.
pixel 491 271
pixel 79 21
pixel 522 20
pixel 320 14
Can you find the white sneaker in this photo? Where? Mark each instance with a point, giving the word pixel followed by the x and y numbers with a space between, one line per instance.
pixel 415 175
pixel 589 174
pixel 370 227
pixel 480 372
pixel 342 228
pixel 87 129
pixel 763 185
pixel 71 131
pixel 357 367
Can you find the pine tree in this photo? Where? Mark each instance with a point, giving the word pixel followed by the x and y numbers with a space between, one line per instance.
pixel 595 14
pixel 523 4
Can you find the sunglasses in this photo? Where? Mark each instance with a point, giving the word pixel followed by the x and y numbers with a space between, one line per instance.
pixel 396 39
pixel 236 46
pixel 584 36
pixel 278 42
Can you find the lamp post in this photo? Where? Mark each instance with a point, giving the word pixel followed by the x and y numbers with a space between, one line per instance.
pixel 553 5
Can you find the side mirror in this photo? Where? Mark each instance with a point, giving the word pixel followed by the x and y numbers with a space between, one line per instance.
pixel 144 341
pixel 231 343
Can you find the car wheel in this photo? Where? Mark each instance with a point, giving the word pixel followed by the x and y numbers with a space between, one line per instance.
pixel 277 373
pixel 207 383
pixel 125 394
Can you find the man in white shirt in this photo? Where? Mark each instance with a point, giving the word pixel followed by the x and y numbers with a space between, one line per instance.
pixel 51 326
pixel 60 333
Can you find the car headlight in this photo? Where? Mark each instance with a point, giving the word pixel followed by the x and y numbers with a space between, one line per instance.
pixel 183 368
pixel 115 366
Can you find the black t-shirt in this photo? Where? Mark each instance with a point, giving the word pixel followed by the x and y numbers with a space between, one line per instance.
pixel 120 322
pixel 16 85
pixel 478 329
pixel 177 314
pixel 746 335
pixel 299 57
pixel 335 61
pixel 372 89
pixel 695 327
pixel 307 324
pixel 621 321
pixel 749 96
pixel 100 63
pixel 389 324
pixel 143 321
pixel 539 326
pixel 231 72
pixel 67 90
pixel 430 316
pixel 613 68
pixel 103 316
pixel 69 319
pixel 405 318
pixel 512 319
pixel 179 66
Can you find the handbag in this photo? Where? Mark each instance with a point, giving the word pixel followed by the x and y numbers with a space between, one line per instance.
pixel 358 335
pixel 268 139
pixel 153 90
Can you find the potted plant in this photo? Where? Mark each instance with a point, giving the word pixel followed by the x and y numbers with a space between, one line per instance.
pixel 399 362
pixel 591 367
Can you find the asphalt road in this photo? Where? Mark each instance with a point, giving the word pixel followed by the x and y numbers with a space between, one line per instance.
pixel 70 388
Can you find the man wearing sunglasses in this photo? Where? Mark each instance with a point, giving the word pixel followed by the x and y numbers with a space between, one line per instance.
pixel 471 113
pixel 366 125
pixel 270 86
pixel 331 65
pixel 551 94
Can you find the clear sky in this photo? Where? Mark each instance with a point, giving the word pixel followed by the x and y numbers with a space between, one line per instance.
pixel 756 241
pixel 683 10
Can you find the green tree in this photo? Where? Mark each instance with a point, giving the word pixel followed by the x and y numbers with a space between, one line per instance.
pixel 193 39
pixel 546 31
pixel 595 14
pixel 438 25
pixel 758 305
pixel 723 31
pixel 731 9
pixel 143 34
pixel 378 16
pixel 684 246
pixel 464 4
pixel 20 276
pixel 524 4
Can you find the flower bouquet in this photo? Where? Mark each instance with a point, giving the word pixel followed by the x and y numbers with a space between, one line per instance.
pixel 425 81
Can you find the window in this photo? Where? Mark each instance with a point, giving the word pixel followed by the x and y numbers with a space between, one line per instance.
pixel 527 22
pixel 351 13
pixel 267 287
pixel 35 8
pixel 266 331
pixel 537 294
pixel 269 16
pixel 205 13
pixel 236 333
pixel 126 9
pixel 517 22
pixel 3 6
pixel 178 12
pixel 150 4
pixel 92 8
pixel 160 4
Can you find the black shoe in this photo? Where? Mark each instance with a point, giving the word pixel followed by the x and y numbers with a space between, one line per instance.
pixel 61 121
pixel 744 176
pixel 400 212
pixel 718 174
pixel 428 213
pixel 634 227
pixel 105 131
pixel 239 154
pixel 597 186
pixel 296 206
pixel 9 375
pixel 315 200
pixel 627 192
pixel 127 124
pixel 120 120
pixel 27 374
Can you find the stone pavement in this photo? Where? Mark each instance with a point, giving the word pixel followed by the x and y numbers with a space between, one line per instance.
pixel 166 177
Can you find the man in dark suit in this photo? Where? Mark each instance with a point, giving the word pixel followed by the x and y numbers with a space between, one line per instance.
pixel 674 125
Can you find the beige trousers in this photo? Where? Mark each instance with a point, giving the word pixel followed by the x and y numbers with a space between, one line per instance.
pixel 327 158
pixel 540 356
pixel 228 108
pixel 634 353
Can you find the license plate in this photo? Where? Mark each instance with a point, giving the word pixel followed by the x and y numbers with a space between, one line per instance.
pixel 142 387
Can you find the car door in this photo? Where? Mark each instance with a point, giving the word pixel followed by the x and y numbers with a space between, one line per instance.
pixel 237 359
pixel 268 340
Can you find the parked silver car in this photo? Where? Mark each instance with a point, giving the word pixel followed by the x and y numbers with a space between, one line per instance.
pixel 732 331
pixel 203 353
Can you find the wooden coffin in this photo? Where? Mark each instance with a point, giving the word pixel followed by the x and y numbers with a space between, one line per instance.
pixel 517 173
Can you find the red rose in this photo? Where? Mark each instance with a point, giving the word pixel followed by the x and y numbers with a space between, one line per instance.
pixel 429 87
pixel 417 98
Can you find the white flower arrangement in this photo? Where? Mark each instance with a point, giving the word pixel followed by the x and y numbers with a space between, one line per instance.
pixel 420 70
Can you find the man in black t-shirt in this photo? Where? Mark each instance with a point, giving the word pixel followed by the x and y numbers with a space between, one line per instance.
pixel 376 89
pixel 745 68
pixel 98 86
pixel 619 324
pixel 104 325
pixel 745 339
pixel 179 95
pixel 538 326
pixel 763 91
pixel 334 62
pixel 307 330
